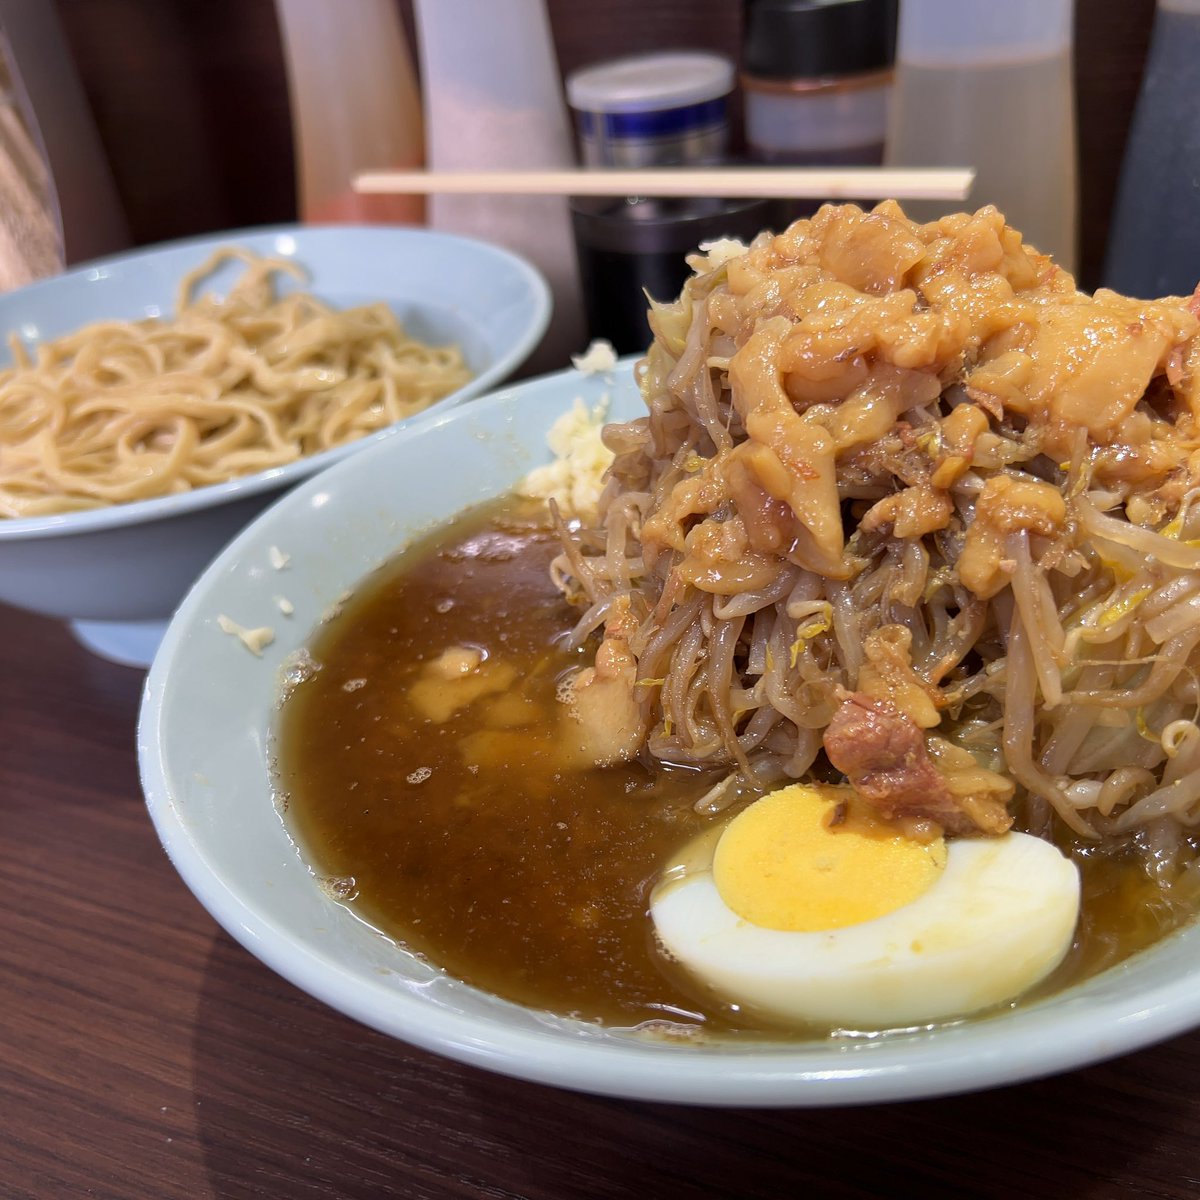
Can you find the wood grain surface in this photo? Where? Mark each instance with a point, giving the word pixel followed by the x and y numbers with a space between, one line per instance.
pixel 147 1056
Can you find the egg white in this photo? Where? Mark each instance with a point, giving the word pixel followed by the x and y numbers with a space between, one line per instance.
pixel 999 918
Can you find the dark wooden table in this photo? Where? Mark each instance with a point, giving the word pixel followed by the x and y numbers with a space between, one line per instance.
pixel 147 1056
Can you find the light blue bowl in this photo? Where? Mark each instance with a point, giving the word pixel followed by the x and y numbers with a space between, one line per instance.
pixel 117 573
pixel 205 746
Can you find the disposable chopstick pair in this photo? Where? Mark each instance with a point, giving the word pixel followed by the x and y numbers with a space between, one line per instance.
pixel 800 183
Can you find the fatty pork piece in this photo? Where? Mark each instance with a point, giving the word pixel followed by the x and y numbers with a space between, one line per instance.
pixel 883 753
pixel 604 720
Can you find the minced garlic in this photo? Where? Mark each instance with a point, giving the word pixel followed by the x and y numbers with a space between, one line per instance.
pixel 575 477
pixel 255 640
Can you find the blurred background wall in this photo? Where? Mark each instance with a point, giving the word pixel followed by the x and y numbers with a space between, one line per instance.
pixel 190 97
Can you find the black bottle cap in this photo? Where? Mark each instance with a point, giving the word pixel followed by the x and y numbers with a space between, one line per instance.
pixel 815 39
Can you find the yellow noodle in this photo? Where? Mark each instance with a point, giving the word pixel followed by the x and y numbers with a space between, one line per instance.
pixel 126 410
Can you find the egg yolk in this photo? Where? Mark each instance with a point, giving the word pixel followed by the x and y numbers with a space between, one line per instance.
pixel 803 859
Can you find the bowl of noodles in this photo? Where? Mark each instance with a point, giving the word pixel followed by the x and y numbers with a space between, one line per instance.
pixel 153 402
pixel 804 714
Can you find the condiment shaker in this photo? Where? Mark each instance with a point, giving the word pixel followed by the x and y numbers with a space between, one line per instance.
pixel 653 110
pixel 816 79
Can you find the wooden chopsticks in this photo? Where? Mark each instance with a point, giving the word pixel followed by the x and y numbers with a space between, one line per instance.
pixel 800 183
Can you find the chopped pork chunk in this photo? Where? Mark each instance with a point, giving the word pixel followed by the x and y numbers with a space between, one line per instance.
pixel 882 752
pixel 605 723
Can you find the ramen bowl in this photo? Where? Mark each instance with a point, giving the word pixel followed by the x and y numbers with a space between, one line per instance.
pixel 206 742
pixel 117 573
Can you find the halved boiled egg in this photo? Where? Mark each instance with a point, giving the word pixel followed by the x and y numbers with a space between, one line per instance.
pixel 807 908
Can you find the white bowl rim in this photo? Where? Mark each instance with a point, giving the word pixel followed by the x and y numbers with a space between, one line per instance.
pixel 161 508
pixel 1037 1039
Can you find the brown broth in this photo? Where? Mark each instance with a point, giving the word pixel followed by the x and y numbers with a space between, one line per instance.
pixel 518 876
pixel 466 840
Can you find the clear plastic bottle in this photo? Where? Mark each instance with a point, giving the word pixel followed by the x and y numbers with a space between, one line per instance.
pixel 989 85
pixel 355 105
pixel 494 101
pixel 1154 246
